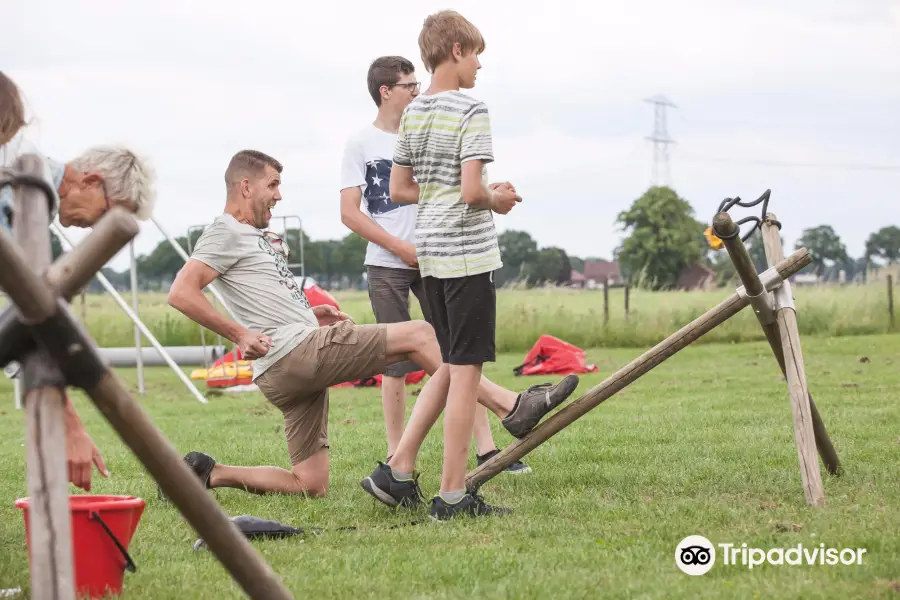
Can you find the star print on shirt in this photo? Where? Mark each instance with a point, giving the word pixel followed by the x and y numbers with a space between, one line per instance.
pixel 377 194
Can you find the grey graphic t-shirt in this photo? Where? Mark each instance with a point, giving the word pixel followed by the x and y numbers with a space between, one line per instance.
pixel 258 286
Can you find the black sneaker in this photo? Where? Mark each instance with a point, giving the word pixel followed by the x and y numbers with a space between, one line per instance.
pixel 471 505
pixel 201 464
pixel 535 402
pixel 386 488
pixel 517 468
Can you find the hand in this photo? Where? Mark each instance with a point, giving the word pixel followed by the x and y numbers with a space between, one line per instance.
pixel 504 198
pixel 495 185
pixel 254 344
pixel 407 253
pixel 328 315
pixel 81 453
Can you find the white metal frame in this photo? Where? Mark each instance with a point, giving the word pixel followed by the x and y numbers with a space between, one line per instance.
pixel 139 325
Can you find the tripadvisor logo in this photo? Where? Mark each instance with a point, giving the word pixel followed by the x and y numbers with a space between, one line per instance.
pixel 696 555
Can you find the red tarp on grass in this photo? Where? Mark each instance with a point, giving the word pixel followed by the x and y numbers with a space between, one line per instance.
pixel 552 356
pixel 375 381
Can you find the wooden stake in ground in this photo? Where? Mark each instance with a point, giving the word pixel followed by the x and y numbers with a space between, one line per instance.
pixel 50 527
pixel 761 301
pixel 890 290
pixel 631 372
pixel 786 316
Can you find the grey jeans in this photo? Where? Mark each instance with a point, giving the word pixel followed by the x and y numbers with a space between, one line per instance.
pixel 389 294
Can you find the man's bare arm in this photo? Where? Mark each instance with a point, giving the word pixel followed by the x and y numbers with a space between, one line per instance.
pixel 186 295
pixel 404 189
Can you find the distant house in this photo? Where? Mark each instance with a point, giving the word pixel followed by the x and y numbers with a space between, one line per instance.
pixel 598 271
pixel 697 277
pixel 576 279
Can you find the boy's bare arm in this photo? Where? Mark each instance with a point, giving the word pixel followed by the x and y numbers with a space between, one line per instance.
pixel 369 230
pixel 404 189
pixel 186 295
pixel 499 198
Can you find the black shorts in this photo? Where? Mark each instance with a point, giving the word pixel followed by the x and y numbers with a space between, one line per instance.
pixel 463 312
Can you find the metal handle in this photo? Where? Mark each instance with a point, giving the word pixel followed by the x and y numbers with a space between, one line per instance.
pixel 129 564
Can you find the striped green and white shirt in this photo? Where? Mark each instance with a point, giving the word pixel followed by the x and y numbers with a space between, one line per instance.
pixel 437 134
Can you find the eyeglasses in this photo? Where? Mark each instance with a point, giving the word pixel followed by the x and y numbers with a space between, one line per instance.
pixel 412 85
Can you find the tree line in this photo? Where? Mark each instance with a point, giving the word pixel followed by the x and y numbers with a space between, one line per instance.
pixel 662 239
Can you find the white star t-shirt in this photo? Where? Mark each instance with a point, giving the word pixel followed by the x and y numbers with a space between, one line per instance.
pixel 368 157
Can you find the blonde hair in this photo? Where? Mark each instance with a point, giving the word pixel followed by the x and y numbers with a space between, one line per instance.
pixel 443 29
pixel 12 111
pixel 127 177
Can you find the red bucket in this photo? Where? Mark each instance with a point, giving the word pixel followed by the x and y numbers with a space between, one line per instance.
pixel 102 528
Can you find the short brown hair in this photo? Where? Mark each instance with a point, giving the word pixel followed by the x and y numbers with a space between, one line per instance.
pixel 248 162
pixel 443 29
pixel 12 111
pixel 386 70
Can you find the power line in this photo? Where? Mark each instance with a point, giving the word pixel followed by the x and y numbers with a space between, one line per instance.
pixel 794 164
pixel 660 138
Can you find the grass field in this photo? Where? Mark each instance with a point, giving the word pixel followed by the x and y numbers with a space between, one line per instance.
pixel 701 445
pixel 574 315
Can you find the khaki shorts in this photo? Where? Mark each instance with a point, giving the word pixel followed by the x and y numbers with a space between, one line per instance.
pixel 298 383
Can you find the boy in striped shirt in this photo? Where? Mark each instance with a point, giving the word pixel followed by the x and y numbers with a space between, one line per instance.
pixel 439 162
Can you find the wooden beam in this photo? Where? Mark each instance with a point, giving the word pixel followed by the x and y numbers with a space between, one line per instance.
pixel 70 273
pixel 63 337
pixel 724 225
pixel 50 526
pixel 801 403
pixel 628 374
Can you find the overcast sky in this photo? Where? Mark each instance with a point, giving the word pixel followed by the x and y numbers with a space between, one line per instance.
pixel 799 96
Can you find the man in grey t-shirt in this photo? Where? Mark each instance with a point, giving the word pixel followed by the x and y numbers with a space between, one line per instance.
pixel 300 351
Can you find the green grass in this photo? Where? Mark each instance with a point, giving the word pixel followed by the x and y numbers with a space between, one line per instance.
pixel 701 445
pixel 574 315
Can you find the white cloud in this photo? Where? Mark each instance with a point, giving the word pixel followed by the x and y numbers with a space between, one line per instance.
pixel 190 83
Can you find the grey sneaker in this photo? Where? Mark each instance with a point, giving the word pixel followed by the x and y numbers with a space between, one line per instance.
pixel 535 402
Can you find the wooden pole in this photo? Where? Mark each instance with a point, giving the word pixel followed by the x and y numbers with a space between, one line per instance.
pixel 50 527
pixel 762 303
pixel 63 338
pixel 801 403
pixel 630 373
pixel 606 300
pixel 627 298
pixel 890 290
pixel 71 272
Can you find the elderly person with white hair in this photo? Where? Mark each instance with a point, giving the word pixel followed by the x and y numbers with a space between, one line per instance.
pixel 87 186
pixel 90 184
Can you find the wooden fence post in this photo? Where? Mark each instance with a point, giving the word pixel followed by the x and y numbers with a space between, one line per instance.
pixel 606 300
pixel 890 291
pixel 627 298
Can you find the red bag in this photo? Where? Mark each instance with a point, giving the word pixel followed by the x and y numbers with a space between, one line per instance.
pixel 552 356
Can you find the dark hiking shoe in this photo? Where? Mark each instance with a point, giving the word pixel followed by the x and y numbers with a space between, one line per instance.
pixel 535 402
pixel 386 488
pixel 201 464
pixel 517 468
pixel 471 505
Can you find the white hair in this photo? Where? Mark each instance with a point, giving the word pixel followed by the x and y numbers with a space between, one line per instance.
pixel 127 176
